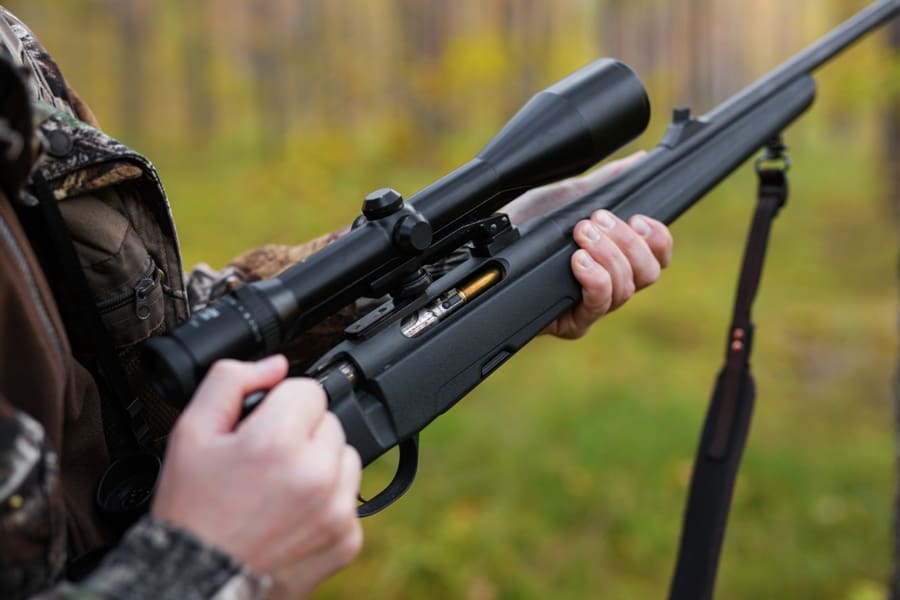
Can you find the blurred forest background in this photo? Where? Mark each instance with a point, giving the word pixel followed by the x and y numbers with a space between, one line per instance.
pixel 565 475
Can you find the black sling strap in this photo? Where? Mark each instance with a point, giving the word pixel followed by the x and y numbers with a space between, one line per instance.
pixel 731 407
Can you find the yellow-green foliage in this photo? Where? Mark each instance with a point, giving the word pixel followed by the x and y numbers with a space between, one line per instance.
pixel 564 476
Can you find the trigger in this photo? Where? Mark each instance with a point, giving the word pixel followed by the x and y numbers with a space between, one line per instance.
pixel 403 478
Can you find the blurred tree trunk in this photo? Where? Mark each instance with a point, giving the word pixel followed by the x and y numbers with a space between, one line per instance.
pixel 730 73
pixel 527 30
pixel 609 27
pixel 131 16
pixel 306 43
pixel 628 31
pixel 266 55
pixel 700 69
pixel 424 27
pixel 197 70
pixel 892 167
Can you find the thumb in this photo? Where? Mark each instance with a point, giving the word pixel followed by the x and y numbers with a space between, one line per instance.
pixel 216 405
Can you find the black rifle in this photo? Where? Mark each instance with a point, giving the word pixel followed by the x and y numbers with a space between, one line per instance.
pixel 420 352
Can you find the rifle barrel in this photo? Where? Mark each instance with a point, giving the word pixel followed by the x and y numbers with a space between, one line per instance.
pixel 814 56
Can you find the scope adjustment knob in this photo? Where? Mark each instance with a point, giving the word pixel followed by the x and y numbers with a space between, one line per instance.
pixel 382 203
pixel 413 233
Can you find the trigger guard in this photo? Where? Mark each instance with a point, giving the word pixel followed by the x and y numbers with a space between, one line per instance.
pixel 403 478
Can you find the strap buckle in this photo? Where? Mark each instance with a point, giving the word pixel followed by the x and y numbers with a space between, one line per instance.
pixel 773 158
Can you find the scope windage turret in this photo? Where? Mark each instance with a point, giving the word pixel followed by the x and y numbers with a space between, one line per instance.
pixel 560 132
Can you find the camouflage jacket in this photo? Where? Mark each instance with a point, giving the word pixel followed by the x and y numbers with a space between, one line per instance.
pixel 49 402
pixel 154 561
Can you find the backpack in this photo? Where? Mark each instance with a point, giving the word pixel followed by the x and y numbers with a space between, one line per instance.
pixel 116 212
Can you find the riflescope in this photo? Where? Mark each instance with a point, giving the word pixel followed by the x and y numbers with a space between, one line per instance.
pixel 560 132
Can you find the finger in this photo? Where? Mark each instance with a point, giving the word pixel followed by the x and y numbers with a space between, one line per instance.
pixel 350 478
pixel 657 236
pixel 343 502
pixel 645 266
pixel 328 435
pixel 323 452
pixel 301 579
pixel 602 248
pixel 216 405
pixel 346 495
pixel 596 297
pixel 351 475
pixel 337 470
pixel 294 408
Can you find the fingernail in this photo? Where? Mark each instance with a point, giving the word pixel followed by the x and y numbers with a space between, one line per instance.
pixel 641 227
pixel 590 230
pixel 583 260
pixel 605 218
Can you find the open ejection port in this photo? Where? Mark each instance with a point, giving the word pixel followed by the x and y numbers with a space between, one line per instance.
pixel 451 301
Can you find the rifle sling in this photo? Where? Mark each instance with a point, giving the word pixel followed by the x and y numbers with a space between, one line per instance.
pixel 730 410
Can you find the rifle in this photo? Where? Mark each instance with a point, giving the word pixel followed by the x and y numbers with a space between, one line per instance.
pixel 425 347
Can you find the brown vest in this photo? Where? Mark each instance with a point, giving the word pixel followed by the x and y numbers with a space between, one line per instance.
pixel 39 375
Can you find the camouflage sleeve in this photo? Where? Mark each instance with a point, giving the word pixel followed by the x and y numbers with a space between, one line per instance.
pixel 205 286
pixel 32 526
pixel 158 561
pixel 155 560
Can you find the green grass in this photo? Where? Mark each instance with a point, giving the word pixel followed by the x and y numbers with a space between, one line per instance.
pixel 565 475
